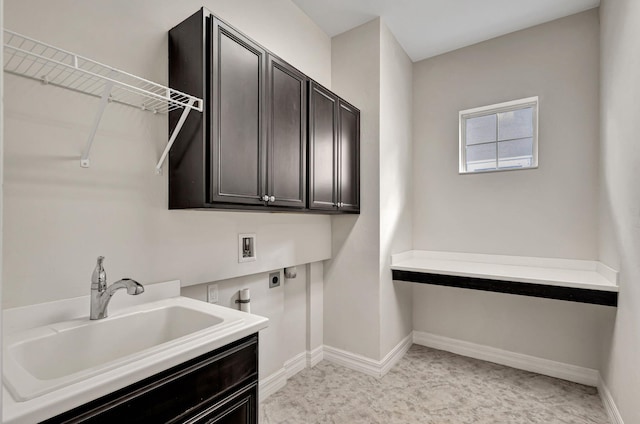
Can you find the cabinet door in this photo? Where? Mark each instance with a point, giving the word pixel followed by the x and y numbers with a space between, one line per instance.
pixel 323 115
pixel 287 135
pixel 237 129
pixel 349 158
pixel 241 408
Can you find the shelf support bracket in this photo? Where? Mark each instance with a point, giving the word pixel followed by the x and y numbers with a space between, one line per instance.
pixel 84 160
pixel 176 130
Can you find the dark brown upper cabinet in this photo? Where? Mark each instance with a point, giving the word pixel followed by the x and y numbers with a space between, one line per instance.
pixel 238 166
pixel 248 149
pixel 334 152
pixel 287 134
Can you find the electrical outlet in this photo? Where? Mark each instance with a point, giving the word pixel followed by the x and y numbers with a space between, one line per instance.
pixel 274 279
pixel 212 293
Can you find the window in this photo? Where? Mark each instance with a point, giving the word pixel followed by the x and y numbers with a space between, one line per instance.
pixel 499 137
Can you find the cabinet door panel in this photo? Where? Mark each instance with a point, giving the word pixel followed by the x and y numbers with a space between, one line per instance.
pixel 287 137
pixel 237 127
pixel 322 145
pixel 349 172
pixel 241 408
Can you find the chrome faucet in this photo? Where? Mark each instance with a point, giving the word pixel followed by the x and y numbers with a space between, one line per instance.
pixel 101 294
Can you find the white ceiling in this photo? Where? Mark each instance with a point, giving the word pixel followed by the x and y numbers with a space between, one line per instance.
pixel 426 28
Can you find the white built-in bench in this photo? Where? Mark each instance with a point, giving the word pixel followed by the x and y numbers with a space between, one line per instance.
pixel 564 279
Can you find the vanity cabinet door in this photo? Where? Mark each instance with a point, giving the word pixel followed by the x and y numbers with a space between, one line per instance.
pixel 238 409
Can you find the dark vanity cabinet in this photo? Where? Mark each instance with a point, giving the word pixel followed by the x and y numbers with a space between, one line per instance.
pixel 334 152
pixel 220 387
pixel 248 149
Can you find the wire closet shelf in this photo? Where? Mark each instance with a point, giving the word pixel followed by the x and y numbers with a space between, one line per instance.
pixel 36 60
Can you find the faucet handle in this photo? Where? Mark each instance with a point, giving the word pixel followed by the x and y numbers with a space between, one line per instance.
pixel 99 276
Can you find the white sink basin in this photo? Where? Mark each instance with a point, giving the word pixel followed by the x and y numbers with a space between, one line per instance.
pixel 76 346
pixel 44 359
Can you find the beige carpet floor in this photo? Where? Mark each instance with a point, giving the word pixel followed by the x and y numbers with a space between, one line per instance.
pixel 432 387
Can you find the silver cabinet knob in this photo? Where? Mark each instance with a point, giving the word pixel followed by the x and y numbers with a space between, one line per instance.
pixel 272 198
pixel 265 198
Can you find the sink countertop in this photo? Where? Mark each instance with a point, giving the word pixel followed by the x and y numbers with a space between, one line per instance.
pixel 16 320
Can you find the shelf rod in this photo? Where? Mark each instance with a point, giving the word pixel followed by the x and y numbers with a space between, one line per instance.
pixel 176 130
pixel 84 160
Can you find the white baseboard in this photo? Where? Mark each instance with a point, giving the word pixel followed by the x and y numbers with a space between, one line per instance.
pixel 314 356
pixel 367 365
pixel 586 376
pixel 352 361
pixel 271 384
pixel 296 364
pixel 396 354
pixel 609 404
pixel 276 381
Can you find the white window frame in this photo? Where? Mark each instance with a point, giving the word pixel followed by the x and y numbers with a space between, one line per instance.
pixel 490 110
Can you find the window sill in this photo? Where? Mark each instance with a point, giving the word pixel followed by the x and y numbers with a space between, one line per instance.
pixel 563 279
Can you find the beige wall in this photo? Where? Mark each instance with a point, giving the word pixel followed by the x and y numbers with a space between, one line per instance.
pixel 351 295
pixel 1 169
pixel 365 312
pixel 566 332
pixel 315 306
pixel 549 212
pixel 59 217
pixel 396 186
pixel 285 306
pixel 620 194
